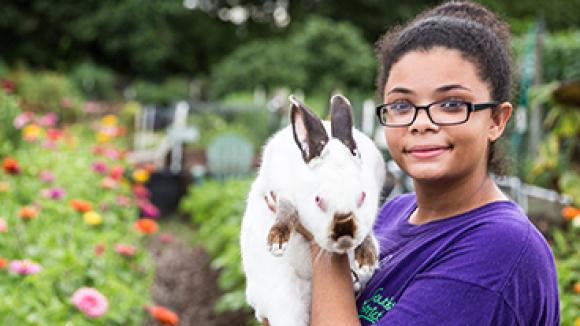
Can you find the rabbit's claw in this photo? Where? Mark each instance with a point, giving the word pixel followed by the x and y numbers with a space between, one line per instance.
pixel 365 263
pixel 278 238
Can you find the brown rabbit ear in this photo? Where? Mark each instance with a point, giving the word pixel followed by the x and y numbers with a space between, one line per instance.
pixel 309 133
pixel 341 121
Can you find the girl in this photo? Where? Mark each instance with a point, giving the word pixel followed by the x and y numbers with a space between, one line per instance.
pixel 457 251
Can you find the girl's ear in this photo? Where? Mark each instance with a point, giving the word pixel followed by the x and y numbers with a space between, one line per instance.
pixel 499 119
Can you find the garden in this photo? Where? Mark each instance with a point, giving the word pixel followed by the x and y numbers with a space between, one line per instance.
pixel 85 235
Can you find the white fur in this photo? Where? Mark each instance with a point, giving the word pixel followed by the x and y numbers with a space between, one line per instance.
pixel 278 288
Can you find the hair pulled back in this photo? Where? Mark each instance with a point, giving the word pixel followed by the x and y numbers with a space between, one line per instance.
pixel 471 29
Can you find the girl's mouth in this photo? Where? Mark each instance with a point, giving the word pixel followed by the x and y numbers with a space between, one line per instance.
pixel 428 151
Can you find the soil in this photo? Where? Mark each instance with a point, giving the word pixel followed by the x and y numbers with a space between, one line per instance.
pixel 186 284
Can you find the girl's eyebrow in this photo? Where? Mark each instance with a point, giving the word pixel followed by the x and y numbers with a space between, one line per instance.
pixel 441 89
pixel 450 87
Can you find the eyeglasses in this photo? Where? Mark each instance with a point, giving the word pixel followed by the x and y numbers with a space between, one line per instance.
pixel 441 113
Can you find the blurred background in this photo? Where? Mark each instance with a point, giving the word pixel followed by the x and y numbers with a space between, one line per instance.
pixel 130 131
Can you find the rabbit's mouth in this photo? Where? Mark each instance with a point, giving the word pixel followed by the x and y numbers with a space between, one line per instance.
pixel 343 229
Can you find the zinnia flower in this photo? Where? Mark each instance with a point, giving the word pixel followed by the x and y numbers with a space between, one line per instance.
pixel 99 167
pixel 90 301
pixel 11 166
pixel 112 153
pixel 3 225
pixel 99 249
pixel 4 186
pixel 28 212
pixel 54 134
pixel 163 315
pixel 125 249
pixel 146 226
pixel 23 119
pixel 165 238
pixel 3 262
pixel 570 212
pixel 53 193
pixel 24 267
pixel 116 172
pixel 148 209
pixel 92 218
pixel 48 120
pixel 32 132
pixel 140 191
pixel 47 176
pixel 80 205
pixel 109 183
pixel 109 120
pixel 66 103
pixel 123 200
pixel 141 175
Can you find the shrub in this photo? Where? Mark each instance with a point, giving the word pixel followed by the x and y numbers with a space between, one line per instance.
pixel 216 209
pixel 95 82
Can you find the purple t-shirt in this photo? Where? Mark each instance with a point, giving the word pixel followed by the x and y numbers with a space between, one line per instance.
pixel 488 266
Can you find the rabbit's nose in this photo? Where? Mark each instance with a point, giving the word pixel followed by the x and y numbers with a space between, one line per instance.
pixel 343 225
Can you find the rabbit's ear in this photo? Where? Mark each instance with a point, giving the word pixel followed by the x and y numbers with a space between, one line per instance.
pixel 341 121
pixel 309 133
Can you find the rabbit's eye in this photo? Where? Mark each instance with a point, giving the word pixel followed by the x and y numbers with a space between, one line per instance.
pixel 320 203
pixel 361 199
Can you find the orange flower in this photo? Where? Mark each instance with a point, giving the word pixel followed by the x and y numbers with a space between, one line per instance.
pixel 3 262
pixel 163 315
pixel 11 166
pixel 81 205
pixel 146 226
pixel 577 288
pixel 570 212
pixel 28 212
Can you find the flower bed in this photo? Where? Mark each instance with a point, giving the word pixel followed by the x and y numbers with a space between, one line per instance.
pixel 71 251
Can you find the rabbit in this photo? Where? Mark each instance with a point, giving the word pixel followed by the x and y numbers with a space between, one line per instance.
pixel 329 187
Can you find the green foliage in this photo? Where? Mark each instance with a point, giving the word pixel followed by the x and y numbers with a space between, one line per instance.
pixel 170 90
pixel 217 209
pixel 9 136
pixel 556 165
pixel 48 92
pixel 566 248
pixel 95 82
pixel 319 57
pixel 64 245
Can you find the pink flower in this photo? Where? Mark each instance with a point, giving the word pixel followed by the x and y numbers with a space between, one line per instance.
pixel 48 120
pixel 99 167
pixel 47 176
pixel 148 209
pixel 3 225
pixel 24 267
pixel 99 249
pixel 23 119
pixel 112 153
pixel 90 301
pixel 92 107
pixel 125 249
pixel 53 193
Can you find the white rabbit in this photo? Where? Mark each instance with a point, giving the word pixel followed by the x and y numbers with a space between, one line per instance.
pixel 330 186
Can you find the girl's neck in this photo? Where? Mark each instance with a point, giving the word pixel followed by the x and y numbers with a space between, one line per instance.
pixel 436 201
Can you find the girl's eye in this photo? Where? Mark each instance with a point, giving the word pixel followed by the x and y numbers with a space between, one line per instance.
pixel 400 106
pixel 452 105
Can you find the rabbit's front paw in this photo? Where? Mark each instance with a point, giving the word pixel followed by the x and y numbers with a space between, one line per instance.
pixel 278 239
pixel 365 262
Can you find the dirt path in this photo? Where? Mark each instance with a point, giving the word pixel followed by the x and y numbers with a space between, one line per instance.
pixel 186 284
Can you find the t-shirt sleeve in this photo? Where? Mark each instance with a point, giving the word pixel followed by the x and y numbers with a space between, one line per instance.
pixel 444 301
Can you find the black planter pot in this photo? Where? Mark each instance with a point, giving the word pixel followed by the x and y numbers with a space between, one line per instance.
pixel 166 190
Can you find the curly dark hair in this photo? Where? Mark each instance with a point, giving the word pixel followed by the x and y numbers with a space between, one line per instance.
pixel 478 34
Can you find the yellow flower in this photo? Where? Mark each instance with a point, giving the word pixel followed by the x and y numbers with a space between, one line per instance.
pixel 32 132
pixel 103 137
pixel 141 175
pixel 109 120
pixel 92 218
pixel 577 322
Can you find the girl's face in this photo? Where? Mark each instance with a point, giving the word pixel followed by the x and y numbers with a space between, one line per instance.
pixel 424 150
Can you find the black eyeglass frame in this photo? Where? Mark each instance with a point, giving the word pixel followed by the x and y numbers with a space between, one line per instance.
pixel 471 107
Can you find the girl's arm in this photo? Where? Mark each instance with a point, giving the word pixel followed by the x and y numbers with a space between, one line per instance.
pixel 333 301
